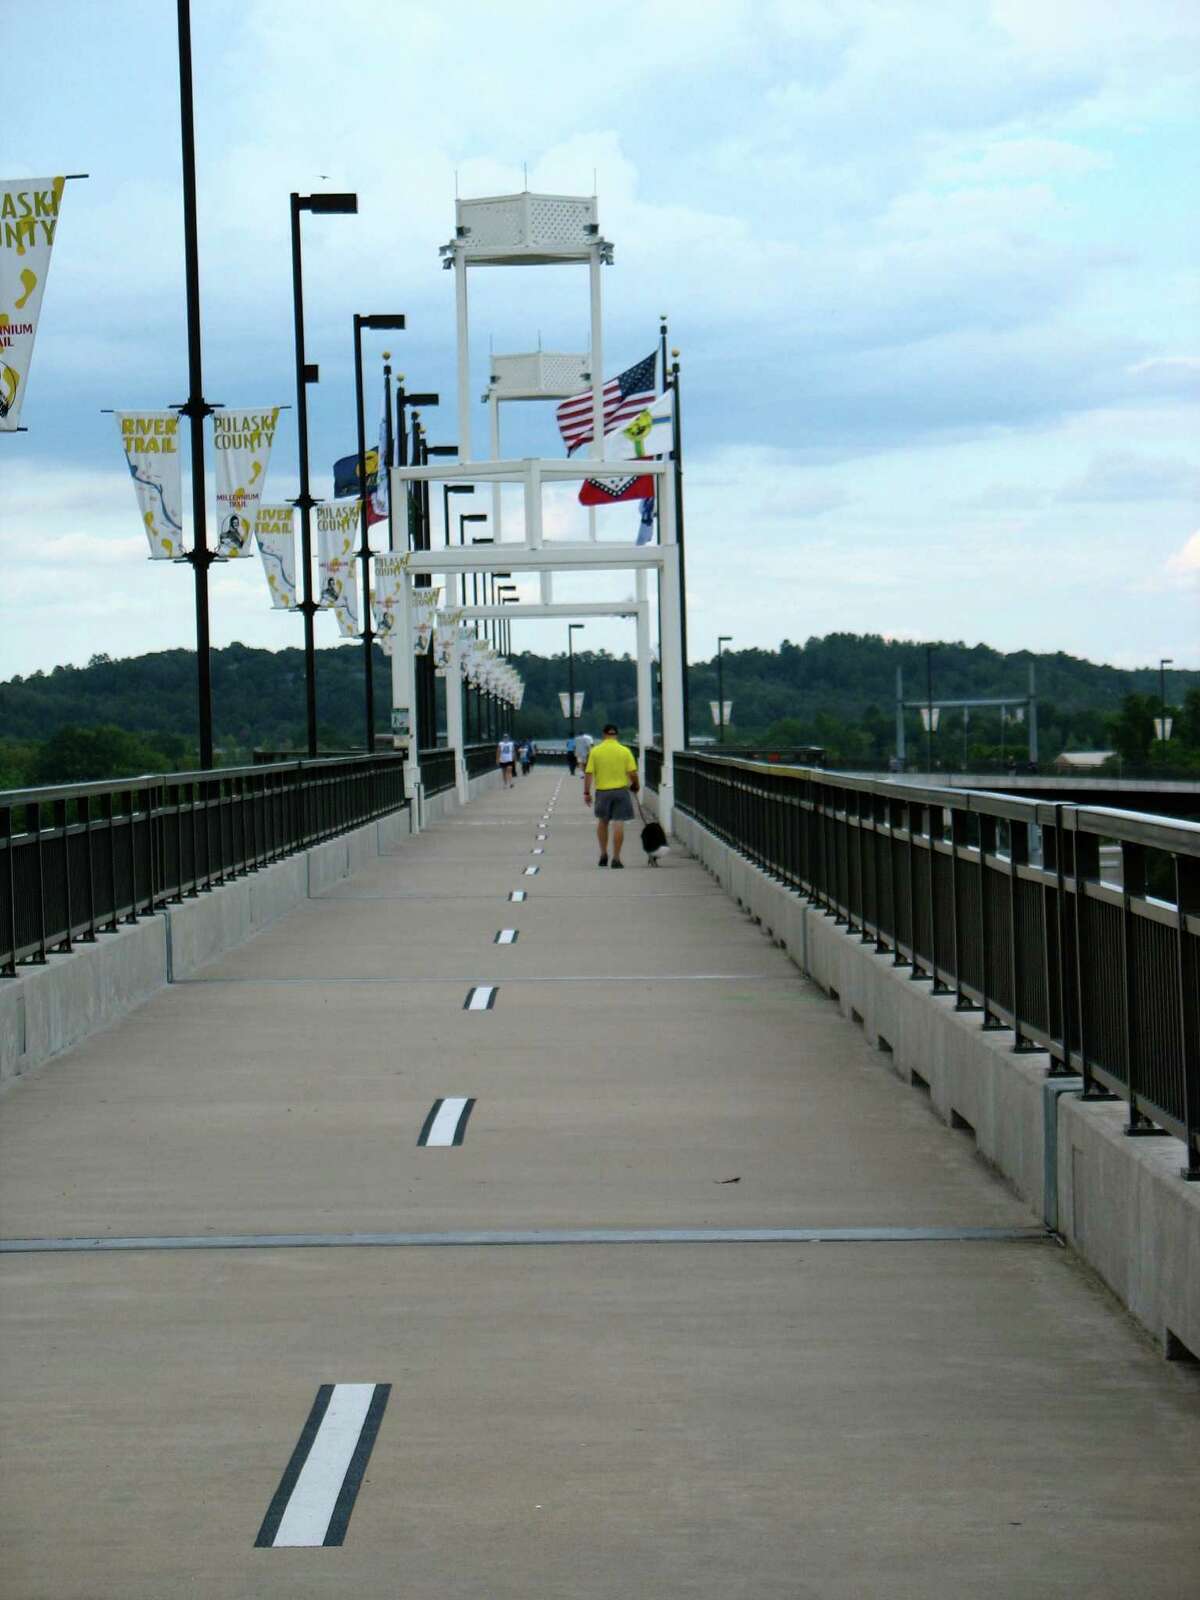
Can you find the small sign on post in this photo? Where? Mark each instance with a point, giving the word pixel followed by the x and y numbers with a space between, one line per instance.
pixel 401 723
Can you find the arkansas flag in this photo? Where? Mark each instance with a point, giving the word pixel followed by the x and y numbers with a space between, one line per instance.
pixel 607 491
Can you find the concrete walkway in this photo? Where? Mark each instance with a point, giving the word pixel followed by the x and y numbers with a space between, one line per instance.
pixel 862 1416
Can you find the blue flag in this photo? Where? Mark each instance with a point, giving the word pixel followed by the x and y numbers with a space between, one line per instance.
pixel 646 524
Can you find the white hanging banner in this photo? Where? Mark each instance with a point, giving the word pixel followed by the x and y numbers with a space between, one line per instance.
pixel 444 633
pixel 424 617
pixel 28 221
pixel 388 597
pixel 337 524
pixel 715 707
pixel 242 441
pixel 275 530
pixel 150 440
pixel 564 700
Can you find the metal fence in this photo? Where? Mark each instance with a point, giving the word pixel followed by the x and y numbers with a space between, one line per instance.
pixel 654 762
pixel 1000 902
pixel 437 770
pixel 84 858
pixel 480 758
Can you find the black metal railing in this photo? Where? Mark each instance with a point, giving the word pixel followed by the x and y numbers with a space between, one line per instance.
pixel 1002 903
pixel 480 758
pixel 437 770
pixel 82 859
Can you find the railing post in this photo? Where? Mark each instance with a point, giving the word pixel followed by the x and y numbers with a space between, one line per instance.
pixel 959 842
pixel 1187 904
pixel 913 814
pixel 1018 857
pixel 987 846
pixel 1133 886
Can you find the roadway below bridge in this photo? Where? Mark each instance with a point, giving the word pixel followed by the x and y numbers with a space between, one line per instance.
pixel 497 1226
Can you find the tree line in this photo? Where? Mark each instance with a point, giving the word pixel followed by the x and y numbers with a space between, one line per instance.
pixel 112 717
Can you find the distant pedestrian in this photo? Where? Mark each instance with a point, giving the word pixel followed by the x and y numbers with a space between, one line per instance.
pixel 526 754
pixel 583 749
pixel 571 757
pixel 612 768
pixel 506 760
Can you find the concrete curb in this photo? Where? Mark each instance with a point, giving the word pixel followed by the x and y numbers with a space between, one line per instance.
pixel 1119 1202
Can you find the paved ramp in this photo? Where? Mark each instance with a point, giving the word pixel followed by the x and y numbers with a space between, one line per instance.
pixel 437 1243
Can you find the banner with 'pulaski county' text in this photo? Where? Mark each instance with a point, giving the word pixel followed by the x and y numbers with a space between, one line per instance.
pixel 337 525
pixel 29 210
pixel 242 440
pixel 150 440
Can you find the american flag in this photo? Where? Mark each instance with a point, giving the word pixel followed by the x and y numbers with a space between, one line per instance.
pixel 624 396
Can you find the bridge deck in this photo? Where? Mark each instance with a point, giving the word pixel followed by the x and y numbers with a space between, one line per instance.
pixel 787 1417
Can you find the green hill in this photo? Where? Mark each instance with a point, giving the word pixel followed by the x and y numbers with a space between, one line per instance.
pixel 837 691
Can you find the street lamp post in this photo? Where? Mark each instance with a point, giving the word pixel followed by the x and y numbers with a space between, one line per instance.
pixel 476 693
pixel 722 640
pixel 929 709
pixel 1164 663
pixel 197 408
pixel 394 322
pixel 572 628
pixel 322 205
pixel 447 490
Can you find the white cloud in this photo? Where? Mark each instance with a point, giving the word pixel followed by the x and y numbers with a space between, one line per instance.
pixel 1122 476
pixel 1184 566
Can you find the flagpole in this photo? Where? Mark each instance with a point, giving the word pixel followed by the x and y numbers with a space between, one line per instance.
pixel 677 452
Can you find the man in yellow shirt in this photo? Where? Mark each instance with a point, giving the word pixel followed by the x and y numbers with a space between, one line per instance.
pixel 611 767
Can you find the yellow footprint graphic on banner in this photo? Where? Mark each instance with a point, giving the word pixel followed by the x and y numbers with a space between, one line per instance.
pixel 29 284
pixel 9 384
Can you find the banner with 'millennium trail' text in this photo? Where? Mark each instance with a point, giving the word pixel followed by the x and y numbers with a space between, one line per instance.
pixel 275 530
pixel 242 440
pixel 28 222
pixel 337 526
pixel 151 443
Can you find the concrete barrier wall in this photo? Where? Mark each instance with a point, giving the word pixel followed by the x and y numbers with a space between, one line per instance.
pixel 47 1009
pixel 1119 1202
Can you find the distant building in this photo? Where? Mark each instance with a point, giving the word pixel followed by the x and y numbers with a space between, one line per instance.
pixel 1082 760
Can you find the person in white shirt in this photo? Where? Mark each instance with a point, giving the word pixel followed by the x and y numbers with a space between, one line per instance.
pixel 583 749
pixel 506 760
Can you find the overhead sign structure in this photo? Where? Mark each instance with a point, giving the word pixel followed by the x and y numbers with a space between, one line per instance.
pixel 29 210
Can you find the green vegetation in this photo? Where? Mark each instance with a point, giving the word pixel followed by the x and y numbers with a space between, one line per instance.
pixel 114 718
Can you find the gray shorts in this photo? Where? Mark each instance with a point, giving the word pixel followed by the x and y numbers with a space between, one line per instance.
pixel 613 805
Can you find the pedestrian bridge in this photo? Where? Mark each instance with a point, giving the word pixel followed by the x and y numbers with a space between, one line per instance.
pixel 486 1224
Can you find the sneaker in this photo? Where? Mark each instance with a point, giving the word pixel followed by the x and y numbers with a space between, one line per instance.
pixel 603 861
pixel 618 863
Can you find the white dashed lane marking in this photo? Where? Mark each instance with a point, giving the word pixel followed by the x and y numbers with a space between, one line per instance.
pixel 316 1494
pixel 446 1124
pixel 506 936
pixel 480 998
pixel 517 895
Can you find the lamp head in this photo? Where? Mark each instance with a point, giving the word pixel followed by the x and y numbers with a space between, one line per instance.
pixel 330 204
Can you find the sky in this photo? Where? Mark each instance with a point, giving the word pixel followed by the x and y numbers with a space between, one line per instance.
pixel 931 266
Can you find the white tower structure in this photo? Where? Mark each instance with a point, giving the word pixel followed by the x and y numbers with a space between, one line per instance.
pixel 544 230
